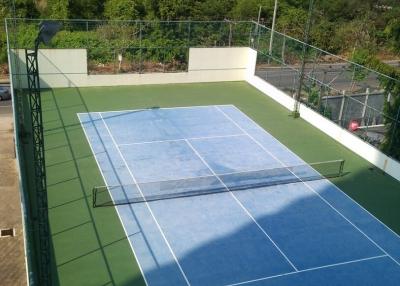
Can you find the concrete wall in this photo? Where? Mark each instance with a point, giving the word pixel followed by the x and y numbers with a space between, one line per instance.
pixel 343 136
pixel 68 68
pixel 218 58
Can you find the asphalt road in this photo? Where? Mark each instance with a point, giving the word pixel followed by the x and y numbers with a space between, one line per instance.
pixel 339 76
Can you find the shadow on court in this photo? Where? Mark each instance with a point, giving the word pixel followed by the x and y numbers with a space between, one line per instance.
pixel 204 260
pixel 89 245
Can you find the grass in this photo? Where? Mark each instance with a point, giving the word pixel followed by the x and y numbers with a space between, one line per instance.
pixel 90 246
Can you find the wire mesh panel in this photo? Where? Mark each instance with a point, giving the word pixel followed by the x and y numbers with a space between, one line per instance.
pixel 338 89
pixel 115 47
pixel 341 90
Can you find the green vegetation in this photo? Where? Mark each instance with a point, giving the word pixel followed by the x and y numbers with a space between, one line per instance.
pixel 391 144
pixel 90 247
pixel 338 25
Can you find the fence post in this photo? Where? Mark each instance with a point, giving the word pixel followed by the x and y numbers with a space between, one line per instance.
pixel 188 38
pixel 320 96
pixel 140 47
pixel 283 48
pixel 353 76
pixel 87 34
pixel 394 130
pixel 341 107
pixel 365 104
pixel 230 34
pixel 94 196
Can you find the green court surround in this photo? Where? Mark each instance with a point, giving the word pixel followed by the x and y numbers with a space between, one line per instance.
pixel 90 246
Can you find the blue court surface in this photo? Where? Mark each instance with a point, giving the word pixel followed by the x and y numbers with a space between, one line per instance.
pixel 304 233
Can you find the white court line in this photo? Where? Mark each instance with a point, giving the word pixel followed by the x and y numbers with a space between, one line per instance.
pixel 309 187
pixel 116 207
pixel 307 270
pixel 296 155
pixel 182 139
pixel 147 204
pixel 241 205
pixel 336 187
pixel 157 108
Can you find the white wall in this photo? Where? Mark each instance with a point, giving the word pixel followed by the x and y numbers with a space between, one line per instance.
pixel 66 61
pixel 343 136
pixel 218 58
pixel 251 64
pixel 68 68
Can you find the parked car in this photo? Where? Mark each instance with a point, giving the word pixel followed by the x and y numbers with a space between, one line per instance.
pixel 5 93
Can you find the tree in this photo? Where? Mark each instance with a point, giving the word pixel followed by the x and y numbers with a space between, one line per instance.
pixel 391 87
pixel 212 9
pixel 292 22
pixel 248 9
pixel 339 10
pixel 323 35
pixel 56 9
pixel 174 9
pixel 122 9
pixel 358 33
pixel 392 32
pixel 86 9
pixel 23 9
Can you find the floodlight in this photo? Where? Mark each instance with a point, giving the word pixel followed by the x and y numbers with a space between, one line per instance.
pixel 47 30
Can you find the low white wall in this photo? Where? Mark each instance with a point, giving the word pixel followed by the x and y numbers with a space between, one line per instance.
pixel 251 64
pixel 218 58
pixel 53 64
pixel 68 68
pixel 343 136
pixel 62 61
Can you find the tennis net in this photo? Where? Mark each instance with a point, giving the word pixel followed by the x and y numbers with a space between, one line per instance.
pixel 207 185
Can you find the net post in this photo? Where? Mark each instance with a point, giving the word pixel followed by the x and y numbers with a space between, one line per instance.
pixel 341 168
pixel 94 195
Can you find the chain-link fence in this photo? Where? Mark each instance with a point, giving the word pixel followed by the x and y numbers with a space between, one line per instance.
pixel 136 46
pixel 357 98
pixel 331 85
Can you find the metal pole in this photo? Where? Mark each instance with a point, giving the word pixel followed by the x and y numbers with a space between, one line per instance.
pixel 283 49
pixel 257 26
pixel 322 91
pixel 303 63
pixel 87 35
pixel 40 220
pixel 394 131
pixel 230 34
pixel 140 47
pixel 342 107
pixel 188 39
pixel 230 31
pixel 365 104
pixel 273 28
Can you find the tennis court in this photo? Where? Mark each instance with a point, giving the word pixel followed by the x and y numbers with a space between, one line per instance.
pixel 302 232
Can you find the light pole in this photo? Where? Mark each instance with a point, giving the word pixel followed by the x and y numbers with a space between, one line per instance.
pixel 273 28
pixel 271 39
pixel 259 15
pixel 303 62
pixel 39 213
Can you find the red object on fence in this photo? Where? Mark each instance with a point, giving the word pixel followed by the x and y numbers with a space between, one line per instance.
pixel 353 126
